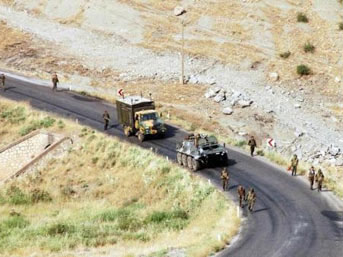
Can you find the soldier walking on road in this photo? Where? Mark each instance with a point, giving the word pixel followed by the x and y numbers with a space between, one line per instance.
pixel 319 179
pixel 252 144
pixel 2 81
pixel 225 178
pixel 55 81
pixel 241 195
pixel 311 175
pixel 107 119
pixel 251 199
pixel 294 164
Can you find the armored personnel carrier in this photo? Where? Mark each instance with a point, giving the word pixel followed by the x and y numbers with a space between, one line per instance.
pixel 197 151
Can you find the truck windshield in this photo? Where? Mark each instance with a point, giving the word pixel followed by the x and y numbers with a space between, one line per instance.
pixel 149 116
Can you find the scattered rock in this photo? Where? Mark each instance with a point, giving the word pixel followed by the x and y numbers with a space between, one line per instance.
pixel 220 97
pixel 242 133
pixel 179 10
pixel 337 79
pixel 193 79
pixel 244 103
pixel 298 133
pixel 212 92
pixel 297 106
pixel 300 100
pixel 274 76
pixel 333 150
pixel 227 111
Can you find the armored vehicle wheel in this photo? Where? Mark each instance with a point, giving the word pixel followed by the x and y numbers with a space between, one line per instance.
pixel 184 160
pixel 141 137
pixel 189 162
pixel 179 158
pixel 127 131
pixel 195 165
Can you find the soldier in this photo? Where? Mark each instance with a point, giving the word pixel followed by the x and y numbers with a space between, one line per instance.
pixel 252 144
pixel 225 178
pixel 294 164
pixel 196 139
pixel 251 199
pixel 311 175
pixel 54 80
pixel 2 81
pixel 320 179
pixel 241 194
pixel 107 118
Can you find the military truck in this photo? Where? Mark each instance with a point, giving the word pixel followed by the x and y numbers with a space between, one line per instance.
pixel 197 151
pixel 139 117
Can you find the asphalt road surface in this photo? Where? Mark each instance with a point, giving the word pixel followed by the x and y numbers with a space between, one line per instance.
pixel 289 220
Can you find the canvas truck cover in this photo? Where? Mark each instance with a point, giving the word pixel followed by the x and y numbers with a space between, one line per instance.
pixel 128 106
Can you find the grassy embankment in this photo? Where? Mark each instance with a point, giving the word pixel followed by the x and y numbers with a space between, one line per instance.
pixel 108 194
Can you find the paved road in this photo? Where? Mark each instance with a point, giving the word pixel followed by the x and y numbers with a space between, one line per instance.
pixel 289 220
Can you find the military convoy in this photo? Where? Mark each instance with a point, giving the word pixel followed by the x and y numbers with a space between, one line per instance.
pixel 197 151
pixel 139 117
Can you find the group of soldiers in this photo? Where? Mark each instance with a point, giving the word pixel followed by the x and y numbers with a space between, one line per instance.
pixel 312 175
pixel 316 177
pixel 250 197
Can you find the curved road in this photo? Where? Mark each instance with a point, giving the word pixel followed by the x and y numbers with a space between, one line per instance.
pixel 289 219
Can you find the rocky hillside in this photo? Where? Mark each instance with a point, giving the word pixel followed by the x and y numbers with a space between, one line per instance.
pixel 248 52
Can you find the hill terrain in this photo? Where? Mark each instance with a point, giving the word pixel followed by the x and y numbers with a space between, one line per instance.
pixel 106 198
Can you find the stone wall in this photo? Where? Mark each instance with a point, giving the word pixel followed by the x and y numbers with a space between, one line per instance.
pixel 15 156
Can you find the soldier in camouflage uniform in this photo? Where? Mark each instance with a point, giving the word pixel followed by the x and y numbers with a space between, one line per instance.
pixel 107 119
pixel 294 164
pixel 241 195
pixel 225 178
pixel 320 179
pixel 55 81
pixel 252 143
pixel 2 81
pixel 251 199
pixel 311 175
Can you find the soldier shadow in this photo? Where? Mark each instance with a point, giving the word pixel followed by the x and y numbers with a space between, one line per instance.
pixel 62 90
pixel 171 130
pixel 260 210
pixel 8 88
pixel 84 98
pixel 333 215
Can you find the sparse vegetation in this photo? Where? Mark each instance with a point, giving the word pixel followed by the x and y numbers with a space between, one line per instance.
pixel 285 55
pixel 340 25
pixel 303 70
pixel 301 17
pixel 86 200
pixel 308 47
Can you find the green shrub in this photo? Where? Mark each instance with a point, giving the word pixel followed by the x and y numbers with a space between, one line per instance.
pixel 14 116
pixel 60 124
pixel 285 55
pixel 303 70
pixel 34 125
pixel 60 229
pixel 14 222
pixel 308 47
pixel 38 195
pixel 241 143
pixel 340 26
pixel 260 152
pixel 301 17
pixel 17 197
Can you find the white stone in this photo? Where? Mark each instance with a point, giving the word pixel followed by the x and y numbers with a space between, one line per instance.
pixel 297 106
pixel 179 10
pixel 274 76
pixel 219 97
pixel 337 79
pixel 227 111
pixel 244 103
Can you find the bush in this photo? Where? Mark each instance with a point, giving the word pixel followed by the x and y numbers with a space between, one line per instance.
pixel 38 195
pixel 60 229
pixel 340 26
pixel 309 48
pixel 14 222
pixel 285 55
pixel 303 70
pixel 301 17
pixel 14 116
pixel 44 123
pixel 17 197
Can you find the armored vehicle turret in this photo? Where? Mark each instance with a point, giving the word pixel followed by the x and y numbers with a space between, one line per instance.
pixel 197 151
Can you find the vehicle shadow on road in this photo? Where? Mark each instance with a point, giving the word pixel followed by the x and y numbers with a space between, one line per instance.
pixel 333 215
pixel 8 88
pixel 84 98
pixel 260 210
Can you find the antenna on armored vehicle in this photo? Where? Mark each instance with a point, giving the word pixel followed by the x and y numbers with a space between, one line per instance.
pixel 150 96
pixel 141 94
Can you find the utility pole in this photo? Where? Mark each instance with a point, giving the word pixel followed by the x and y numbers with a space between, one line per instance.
pixel 182 80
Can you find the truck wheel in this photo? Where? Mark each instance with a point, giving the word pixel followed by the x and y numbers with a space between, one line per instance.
pixel 195 165
pixel 189 162
pixel 140 137
pixel 184 160
pixel 179 158
pixel 127 131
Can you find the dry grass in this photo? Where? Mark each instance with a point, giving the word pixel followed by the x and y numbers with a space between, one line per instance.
pixel 109 196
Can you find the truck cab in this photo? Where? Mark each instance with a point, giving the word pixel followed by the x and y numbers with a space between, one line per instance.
pixel 139 117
